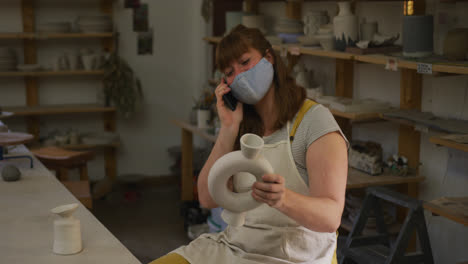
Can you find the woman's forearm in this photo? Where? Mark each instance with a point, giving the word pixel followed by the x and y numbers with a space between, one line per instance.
pixel 320 214
pixel 224 144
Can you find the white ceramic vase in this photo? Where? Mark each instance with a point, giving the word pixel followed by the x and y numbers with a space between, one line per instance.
pixel 345 27
pixel 67 231
pixel 248 160
pixel 203 117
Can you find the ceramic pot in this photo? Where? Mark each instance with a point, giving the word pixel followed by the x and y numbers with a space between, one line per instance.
pixel 327 41
pixel 456 44
pixel 368 30
pixel 313 20
pixel 67 231
pixel 418 34
pixel 247 160
pixel 203 117
pixel 345 27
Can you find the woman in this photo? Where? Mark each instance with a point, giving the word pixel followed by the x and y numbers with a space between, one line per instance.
pixel 304 199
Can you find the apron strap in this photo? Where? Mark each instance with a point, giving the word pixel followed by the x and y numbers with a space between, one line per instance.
pixel 300 115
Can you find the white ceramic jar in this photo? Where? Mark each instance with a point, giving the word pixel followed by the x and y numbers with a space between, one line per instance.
pixel 345 27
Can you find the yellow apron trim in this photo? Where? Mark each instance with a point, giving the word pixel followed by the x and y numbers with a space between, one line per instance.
pixel 171 258
pixel 304 108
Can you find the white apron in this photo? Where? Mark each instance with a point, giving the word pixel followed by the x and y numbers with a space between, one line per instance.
pixel 268 236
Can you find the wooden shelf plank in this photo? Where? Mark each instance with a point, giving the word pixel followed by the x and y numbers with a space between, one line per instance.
pixel 44 36
pixel 378 59
pixel 448 143
pixel 382 60
pixel 50 73
pixel 57 109
pixel 453 208
pixel 358 179
pixel 356 116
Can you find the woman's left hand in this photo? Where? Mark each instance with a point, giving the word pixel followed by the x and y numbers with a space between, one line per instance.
pixel 271 191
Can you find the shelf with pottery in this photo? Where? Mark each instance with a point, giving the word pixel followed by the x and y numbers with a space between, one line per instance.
pixel 45 36
pixel 442 67
pixel 89 27
pixel 296 49
pixel 358 179
pixel 453 208
pixel 57 109
pixel 51 73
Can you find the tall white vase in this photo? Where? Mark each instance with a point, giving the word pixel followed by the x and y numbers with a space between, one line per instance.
pixel 345 27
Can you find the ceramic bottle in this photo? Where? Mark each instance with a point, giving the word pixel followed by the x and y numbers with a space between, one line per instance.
pixel 67 231
pixel 345 27
pixel 248 160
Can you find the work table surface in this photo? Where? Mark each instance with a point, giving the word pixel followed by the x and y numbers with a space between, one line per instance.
pixel 26 223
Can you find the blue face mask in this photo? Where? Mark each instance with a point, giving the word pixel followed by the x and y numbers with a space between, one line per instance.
pixel 251 86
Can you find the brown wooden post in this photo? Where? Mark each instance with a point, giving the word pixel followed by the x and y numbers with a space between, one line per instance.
pixel 187 166
pixel 344 87
pixel 294 9
pixel 409 138
pixel 30 57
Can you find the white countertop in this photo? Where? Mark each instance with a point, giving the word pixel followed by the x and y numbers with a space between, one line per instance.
pixel 26 223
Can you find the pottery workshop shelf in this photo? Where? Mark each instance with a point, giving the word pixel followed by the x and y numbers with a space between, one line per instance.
pixel 437 67
pixel 442 141
pixel 57 109
pixel 45 36
pixel 405 64
pixel 358 179
pixel 50 73
pixel 453 208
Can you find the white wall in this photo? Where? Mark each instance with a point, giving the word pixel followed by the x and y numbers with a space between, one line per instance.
pixel 445 169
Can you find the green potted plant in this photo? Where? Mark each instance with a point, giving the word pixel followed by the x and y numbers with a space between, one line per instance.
pixel 122 88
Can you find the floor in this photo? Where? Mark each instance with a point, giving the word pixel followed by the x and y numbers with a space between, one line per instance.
pixel 145 219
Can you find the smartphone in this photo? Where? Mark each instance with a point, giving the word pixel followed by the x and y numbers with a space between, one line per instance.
pixel 229 100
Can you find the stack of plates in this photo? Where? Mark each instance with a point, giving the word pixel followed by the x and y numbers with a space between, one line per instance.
pixel 8 59
pixel 54 27
pixel 94 24
pixel 289 26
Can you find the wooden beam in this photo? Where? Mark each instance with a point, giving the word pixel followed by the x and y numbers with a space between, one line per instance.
pixel 294 9
pixel 187 165
pixel 344 88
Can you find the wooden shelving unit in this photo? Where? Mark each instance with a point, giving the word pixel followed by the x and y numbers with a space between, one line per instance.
pixel 58 109
pixel 33 110
pixel 51 73
pixel 45 36
pixel 453 208
pixel 448 143
pixel 377 59
pixel 356 116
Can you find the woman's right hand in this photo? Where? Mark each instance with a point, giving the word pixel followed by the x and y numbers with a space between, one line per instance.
pixel 227 117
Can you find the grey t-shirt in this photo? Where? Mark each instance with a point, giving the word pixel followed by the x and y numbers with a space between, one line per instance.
pixel 317 122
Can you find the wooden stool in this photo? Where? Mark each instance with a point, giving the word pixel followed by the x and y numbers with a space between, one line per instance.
pixel 61 160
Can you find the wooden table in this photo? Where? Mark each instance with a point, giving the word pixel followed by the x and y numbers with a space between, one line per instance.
pixel 356 179
pixel 26 223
